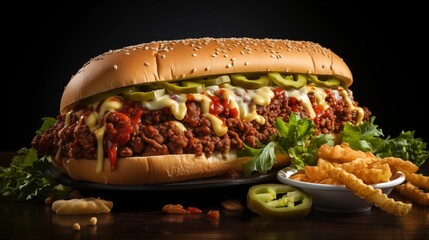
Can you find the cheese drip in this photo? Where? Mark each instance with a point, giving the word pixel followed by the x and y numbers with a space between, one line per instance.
pixel 244 101
pixel 320 97
pixel 359 111
pixel 60 134
pixel 97 126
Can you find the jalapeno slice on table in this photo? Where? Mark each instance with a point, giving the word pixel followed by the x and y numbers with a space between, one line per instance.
pixel 278 201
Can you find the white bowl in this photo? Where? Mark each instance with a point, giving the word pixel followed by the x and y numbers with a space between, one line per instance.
pixel 336 198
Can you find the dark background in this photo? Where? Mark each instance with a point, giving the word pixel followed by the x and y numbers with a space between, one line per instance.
pixel 43 45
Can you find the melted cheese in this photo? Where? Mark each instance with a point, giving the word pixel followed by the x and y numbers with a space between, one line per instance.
pixel 245 101
pixel 320 97
pixel 96 126
pixel 302 96
pixel 177 107
pixel 359 110
pixel 61 132
pixel 218 125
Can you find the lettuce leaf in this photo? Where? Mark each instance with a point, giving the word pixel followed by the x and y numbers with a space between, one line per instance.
pixel 296 137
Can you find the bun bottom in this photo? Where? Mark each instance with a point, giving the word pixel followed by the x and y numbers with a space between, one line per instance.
pixel 157 169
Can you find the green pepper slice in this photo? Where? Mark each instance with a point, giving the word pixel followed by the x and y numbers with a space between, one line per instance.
pixel 325 81
pixel 289 81
pixel 278 201
pixel 242 81
pixel 184 87
pixel 144 96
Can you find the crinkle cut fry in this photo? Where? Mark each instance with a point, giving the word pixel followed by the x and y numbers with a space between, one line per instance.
pixel 400 164
pixel 370 194
pixel 412 192
pixel 341 153
pixel 418 180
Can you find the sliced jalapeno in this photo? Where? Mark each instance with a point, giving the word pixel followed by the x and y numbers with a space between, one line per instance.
pixel 278 201
pixel 325 81
pixel 104 95
pixel 242 81
pixel 215 81
pixel 289 81
pixel 144 96
pixel 185 87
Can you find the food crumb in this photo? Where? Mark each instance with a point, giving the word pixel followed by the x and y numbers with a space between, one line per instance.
pixel 93 221
pixel 49 200
pixel 213 214
pixel 76 227
pixel 232 205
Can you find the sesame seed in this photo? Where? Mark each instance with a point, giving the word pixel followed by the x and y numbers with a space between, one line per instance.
pixel 182 76
pixel 115 66
pixel 225 56
pixel 127 53
pixel 194 54
pixel 146 64
pixel 214 55
pixel 146 48
pixel 193 70
pixel 163 56
pixel 246 63
pixel 233 59
pixel 241 52
pixel 207 68
pixel 273 56
pixel 228 65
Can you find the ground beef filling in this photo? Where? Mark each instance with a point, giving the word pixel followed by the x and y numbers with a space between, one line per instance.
pixel 136 131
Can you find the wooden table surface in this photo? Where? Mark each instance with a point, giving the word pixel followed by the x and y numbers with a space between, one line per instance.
pixel 138 215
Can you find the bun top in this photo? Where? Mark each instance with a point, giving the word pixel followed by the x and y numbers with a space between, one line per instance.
pixel 191 58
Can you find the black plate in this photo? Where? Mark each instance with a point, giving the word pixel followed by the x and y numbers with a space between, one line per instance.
pixel 217 182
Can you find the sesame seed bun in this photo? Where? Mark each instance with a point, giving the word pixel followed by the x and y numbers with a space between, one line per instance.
pixel 193 58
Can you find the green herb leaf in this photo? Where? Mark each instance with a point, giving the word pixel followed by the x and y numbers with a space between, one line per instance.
pixel 262 161
pixel 23 180
pixel 368 137
pixel 48 122
pixel 405 146
pixel 296 138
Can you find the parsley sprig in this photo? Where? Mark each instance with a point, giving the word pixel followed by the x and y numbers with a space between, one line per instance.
pixel 24 179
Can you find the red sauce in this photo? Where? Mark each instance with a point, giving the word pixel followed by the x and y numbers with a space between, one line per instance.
pixel 233 112
pixel 216 107
pixel 293 104
pixel 119 135
pixel 134 111
pixel 278 92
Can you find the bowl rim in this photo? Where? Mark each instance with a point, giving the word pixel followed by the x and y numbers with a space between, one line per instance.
pixel 284 174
